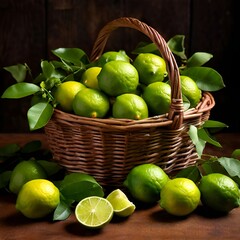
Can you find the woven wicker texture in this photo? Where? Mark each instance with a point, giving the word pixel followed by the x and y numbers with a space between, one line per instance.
pixel 108 148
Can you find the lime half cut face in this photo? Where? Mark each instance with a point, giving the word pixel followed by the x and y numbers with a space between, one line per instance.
pixel 94 212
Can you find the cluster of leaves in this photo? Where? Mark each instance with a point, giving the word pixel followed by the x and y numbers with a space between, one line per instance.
pixel 70 66
pixel 72 62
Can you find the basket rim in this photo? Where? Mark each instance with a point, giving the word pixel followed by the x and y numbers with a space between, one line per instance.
pixel 206 104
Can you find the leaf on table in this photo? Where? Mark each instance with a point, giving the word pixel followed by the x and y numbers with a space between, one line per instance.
pixel 62 212
pixel 77 186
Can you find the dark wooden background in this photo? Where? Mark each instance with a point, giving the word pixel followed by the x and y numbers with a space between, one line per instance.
pixel 30 29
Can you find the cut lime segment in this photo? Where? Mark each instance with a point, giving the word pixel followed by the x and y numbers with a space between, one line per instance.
pixel 121 205
pixel 94 212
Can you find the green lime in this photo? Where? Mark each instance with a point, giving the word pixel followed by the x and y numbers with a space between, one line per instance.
pixel 190 90
pixel 219 192
pixel 180 196
pixel 89 77
pixel 23 172
pixel 91 103
pixel 37 198
pixel 130 106
pixel 158 98
pixel 122 207
pixel 118 77
pixel 65 94
pixel 145 182
pixel 151 68
pixel 112 56
pixel 94 212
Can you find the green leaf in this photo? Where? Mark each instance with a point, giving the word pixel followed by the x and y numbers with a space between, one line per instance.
pixel 213 167
pixel 4 179
pixel 62 212
pixel 31 147
pixel 198 59
pixel 206 78
pixel 231 165
pixel 20 90
pixel 18 72
pixel 77 186
pixel 73 55
pixel 176 45
pixel 51 168
pixel 204 135
pixel 198 142
pixel 191 172
pixel 9 150
pixel 39 115
pixel 143 47
pixel 214 124
pixel 49 70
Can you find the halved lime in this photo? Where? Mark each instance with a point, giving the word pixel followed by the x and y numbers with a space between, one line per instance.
pixel 94 212
pixel 121 205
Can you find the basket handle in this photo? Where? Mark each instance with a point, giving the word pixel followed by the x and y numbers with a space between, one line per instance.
pixel 176 108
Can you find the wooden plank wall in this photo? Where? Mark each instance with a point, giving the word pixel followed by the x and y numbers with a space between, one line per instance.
pixel 30 29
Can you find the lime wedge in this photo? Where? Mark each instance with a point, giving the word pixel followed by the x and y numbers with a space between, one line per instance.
pixel 121 205
pixel 94 212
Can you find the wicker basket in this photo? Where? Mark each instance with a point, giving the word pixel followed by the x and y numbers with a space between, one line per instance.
pixel 108 148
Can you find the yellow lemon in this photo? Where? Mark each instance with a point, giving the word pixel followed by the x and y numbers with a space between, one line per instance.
pixel 37 198
pixel 65 94
pixel 89 77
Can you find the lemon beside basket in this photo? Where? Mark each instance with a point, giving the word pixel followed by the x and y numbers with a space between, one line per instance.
pixel 108 148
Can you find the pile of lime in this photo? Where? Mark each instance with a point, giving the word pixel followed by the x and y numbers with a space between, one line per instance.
pixel 38 197
pixel 119 87
pixel 180 196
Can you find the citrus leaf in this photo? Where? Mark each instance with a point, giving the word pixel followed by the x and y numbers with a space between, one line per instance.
pixel 191 172
pixel 176 45
pixel 198 59
pixel 77 186
pixel 39 115
pixel 231 165
pixel 198 142
pixel 146 48
pixel 213 124
pixel 212 167
pixel 206 78
pixel 50 167
pixel 18 72
pixel 31 146
pixel 20 90
pixel 204 135
pixel 73 55
pixel 9 150
pixel 62 212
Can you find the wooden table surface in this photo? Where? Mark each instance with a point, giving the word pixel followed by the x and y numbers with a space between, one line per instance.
pixel 145 223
